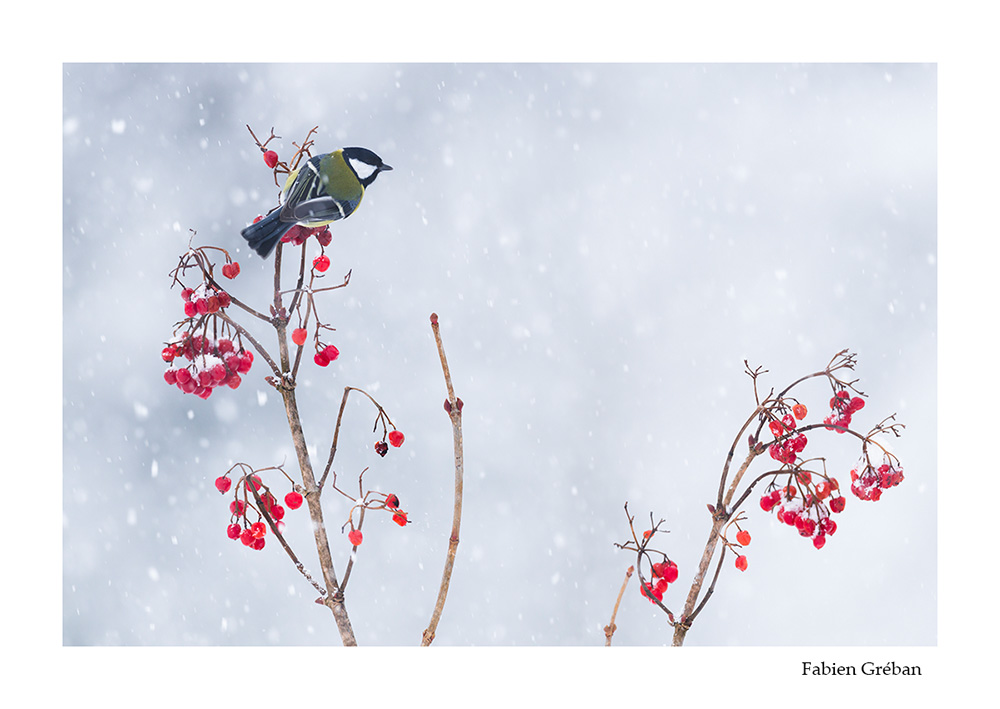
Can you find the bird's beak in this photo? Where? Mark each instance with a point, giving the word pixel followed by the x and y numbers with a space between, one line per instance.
pixel 385 167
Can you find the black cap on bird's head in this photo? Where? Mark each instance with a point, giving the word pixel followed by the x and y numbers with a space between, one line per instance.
pixel 370 164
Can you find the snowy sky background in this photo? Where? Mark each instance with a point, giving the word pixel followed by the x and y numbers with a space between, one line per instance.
pixel 605 245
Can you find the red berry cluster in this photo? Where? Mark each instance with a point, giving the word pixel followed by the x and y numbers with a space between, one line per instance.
pixel 395 438
pixel 664 573
pixel 211 363
pixel 252 534
pixel 204 299
pixel 869 484
pixel 298 234
pixel 391 503
pixel 786 450
pixel 842 406
pixel 398 516
pixel 324 356
pixel 808 513
pixel 324 353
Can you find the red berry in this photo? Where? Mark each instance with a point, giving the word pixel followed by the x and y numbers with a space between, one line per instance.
pixel 231 270
pixel 276 512
pixel 299 336
pixel 323 236
pixel 776 428
pixel 296 235
pixel 293 500
pixel 258 530
pixel 246 360
pixel 270 158
pixel 837 504
pixel 222 484
pixel 741 563
pixel 331 352
pixel 391 501
pixel 321 359
pixel 650 592
pixel 399 518
pixel 819 540
pixel 396 438
pixel 237 507
pixel 257 544
pixel 168 354
pixel 247 537
pixel 800 411
pixel 381 448
pixel 321 263
pixel 743 537
pixel 355 537
pixel 234 531
pixel 670 572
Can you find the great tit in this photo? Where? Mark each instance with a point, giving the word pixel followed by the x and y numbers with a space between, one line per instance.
pixel 327 188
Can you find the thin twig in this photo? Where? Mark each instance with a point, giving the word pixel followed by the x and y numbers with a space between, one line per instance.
pixel 455 413
pixel 610 628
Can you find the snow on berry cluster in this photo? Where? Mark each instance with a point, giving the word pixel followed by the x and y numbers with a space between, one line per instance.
pixel 787 449
pixel 199 364
pixel 808 512
pixel 808 499
pixel 204 300
pixel 871 481
pixel 664 573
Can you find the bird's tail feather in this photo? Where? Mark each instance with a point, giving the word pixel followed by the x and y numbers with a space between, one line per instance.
pixel 265 234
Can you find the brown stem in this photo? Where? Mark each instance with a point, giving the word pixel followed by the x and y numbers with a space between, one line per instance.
pixel 455 414
pixel 335 599
pixel 610 628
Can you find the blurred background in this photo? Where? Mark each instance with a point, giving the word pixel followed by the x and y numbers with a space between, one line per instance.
pixel 605 246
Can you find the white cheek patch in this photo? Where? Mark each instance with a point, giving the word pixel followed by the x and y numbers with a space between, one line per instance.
pixel 363 169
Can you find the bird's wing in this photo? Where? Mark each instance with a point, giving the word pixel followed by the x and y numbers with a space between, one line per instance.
pixel 307 199
pixel 323 209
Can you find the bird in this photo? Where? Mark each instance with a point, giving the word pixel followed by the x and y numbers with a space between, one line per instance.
pixel 327 188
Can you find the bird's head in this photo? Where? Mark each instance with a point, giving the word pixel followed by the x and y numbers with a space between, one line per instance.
pixel 366 164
